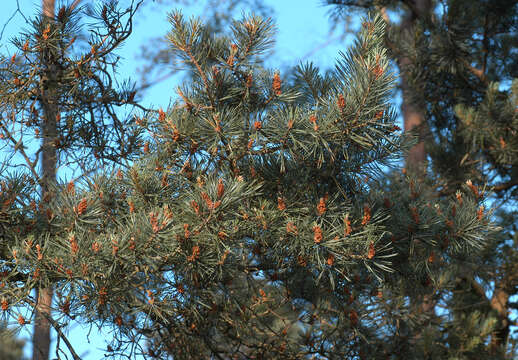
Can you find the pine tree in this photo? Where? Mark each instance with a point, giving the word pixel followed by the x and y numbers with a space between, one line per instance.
pixel 459 70
pixel 259 222
pixel 58 112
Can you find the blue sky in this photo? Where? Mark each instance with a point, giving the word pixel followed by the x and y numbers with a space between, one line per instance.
pixel 303 35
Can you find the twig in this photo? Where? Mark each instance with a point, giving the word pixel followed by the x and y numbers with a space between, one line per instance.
pixel 11 17
pixel 57 327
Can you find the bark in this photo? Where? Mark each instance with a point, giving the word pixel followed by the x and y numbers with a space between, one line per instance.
pixel 49 8
pixel 41 336
pixel 414 120
pixel 500 303
pixel 413 112
pixel 49 97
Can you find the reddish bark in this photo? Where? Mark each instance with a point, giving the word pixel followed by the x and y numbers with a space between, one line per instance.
pixel 49 104
pixel 413 113
pixel 41 336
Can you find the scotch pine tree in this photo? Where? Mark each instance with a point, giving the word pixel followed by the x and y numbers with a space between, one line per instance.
pixel 258 223
pixel 458 64
pixel 58 113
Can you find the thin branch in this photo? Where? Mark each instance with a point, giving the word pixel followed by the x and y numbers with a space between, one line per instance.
pixel 57 327
pixel 187 50
pixel 12 17
pixel 19 147
pixel 506 185
pixel 479 73
pixel 485 44
pixel 318 48
pixel 74 4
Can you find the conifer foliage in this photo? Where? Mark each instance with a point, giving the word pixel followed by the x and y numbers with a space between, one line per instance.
pixel 457 61
pixel 257 223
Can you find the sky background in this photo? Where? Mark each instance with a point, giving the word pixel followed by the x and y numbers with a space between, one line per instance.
pixel 303 34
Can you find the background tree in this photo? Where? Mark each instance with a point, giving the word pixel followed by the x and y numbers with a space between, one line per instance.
pixel 457 61
pixel 58 112
pixel 258 223
pixel 10 347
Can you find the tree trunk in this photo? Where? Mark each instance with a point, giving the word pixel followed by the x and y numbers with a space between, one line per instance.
pixel 500 303
pixel 413 112
pixel 41 336
pixel 49 98
pixel 49 8
pixel 414 119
